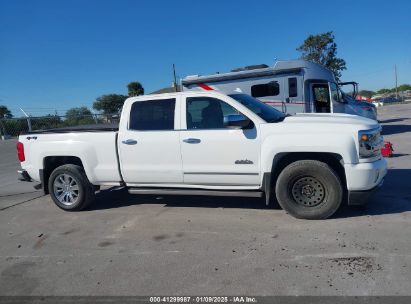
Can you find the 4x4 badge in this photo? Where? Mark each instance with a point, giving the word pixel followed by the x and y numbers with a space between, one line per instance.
pixel 243 162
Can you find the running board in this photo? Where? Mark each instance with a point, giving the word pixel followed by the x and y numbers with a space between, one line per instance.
pixel 175 191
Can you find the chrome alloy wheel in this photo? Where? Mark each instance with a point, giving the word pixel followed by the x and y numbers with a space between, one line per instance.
pixel 66 189
pixel 308 191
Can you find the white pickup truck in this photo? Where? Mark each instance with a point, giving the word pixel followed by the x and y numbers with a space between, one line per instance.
pixel 207 143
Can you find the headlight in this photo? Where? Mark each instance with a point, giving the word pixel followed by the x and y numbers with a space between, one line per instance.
pixel 370 142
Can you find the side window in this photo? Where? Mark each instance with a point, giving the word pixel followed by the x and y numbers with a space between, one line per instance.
pixel 321 96
pixel 152 115
pixel 292 87
pixel 266 89
pixel 207 113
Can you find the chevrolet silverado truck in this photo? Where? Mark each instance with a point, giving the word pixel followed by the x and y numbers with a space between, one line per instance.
pixel 207 143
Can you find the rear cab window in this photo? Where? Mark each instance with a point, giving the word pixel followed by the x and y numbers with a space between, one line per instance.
pixel 153 115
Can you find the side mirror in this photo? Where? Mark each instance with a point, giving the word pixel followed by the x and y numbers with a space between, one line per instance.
pixel 236 121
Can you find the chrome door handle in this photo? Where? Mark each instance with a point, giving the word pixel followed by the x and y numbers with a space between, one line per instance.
pixel 129 142
pixel 192 140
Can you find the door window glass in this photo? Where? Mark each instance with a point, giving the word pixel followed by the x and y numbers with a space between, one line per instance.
pixel 335 92
pixel 152 115
pixel 207 113
pixel 321 97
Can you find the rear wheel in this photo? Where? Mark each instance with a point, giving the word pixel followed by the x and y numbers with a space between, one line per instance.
pixel 309 189
pixel 69 188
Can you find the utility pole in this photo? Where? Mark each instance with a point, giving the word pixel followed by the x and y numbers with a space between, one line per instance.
pixel 396 82
pixel 175 78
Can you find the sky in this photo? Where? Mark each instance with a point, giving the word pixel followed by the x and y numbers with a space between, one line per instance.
pixel 59 54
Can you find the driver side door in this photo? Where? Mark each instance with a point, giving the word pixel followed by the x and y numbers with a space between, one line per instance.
pixel 212 153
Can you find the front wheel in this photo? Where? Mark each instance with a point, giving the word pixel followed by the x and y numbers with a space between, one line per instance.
pixel 69 188
pixel 309 189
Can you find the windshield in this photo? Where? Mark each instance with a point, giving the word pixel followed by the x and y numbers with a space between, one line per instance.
pixel 269 114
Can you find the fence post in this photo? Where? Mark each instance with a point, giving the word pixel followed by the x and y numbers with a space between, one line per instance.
pixel 28 119
pixel 2 129
pixel 29 123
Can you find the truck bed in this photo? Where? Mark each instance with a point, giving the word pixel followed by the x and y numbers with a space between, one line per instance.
pixel 95 147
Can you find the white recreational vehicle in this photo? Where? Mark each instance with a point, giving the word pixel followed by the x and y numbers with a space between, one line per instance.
pixel 293 86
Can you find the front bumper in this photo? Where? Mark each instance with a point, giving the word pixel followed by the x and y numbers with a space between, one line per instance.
pixel 364 179
pixel 365 175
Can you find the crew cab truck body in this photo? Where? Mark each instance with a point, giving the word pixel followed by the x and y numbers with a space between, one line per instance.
pixel 207 143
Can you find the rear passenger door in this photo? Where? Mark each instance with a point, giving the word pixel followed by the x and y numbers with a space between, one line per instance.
pixel 148 143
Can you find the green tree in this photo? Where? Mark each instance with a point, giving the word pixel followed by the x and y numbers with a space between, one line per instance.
pixel 109 104
pixel 135 89
pixel 403 87
pixel 366 93
pixel 322 49
pixel 383 91
pixel 5 112
pixel 78 112
pixel 78 116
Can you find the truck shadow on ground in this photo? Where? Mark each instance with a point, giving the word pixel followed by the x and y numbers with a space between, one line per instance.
pixel 399 154
pixel 393 197
pixel 395 129
pixel 391 120
pixel 109 199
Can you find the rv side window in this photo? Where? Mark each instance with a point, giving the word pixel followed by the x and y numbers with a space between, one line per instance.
pixel 292 87
pixel 267 89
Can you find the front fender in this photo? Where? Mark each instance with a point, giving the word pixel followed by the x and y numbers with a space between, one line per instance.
pixel 273 145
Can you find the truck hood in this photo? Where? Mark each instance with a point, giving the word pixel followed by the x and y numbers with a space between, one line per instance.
pixel 333 120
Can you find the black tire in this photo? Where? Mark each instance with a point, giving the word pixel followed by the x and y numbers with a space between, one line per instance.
pixel 309 189
pixel 79 188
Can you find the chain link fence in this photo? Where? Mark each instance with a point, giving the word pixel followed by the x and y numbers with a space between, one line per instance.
pixel 13 127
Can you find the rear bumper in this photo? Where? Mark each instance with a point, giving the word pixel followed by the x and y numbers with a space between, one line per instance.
pixel 360 198
pixel 22 175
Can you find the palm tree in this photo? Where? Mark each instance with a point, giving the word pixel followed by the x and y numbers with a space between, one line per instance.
pixel 135 89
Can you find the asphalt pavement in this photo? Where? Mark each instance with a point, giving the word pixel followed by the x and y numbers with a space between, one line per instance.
pixel 148 245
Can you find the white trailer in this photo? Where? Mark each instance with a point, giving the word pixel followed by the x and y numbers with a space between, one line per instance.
pixel 293 86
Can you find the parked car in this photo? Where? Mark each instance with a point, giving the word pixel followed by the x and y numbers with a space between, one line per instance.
pixel 207 143
pixel 292 86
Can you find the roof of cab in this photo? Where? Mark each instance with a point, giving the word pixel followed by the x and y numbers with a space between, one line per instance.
pixel 173 94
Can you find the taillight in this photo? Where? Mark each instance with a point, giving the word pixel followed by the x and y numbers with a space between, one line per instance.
pixel 20 152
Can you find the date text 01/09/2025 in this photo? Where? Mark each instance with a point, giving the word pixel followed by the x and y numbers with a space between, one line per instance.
pixel 202 299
